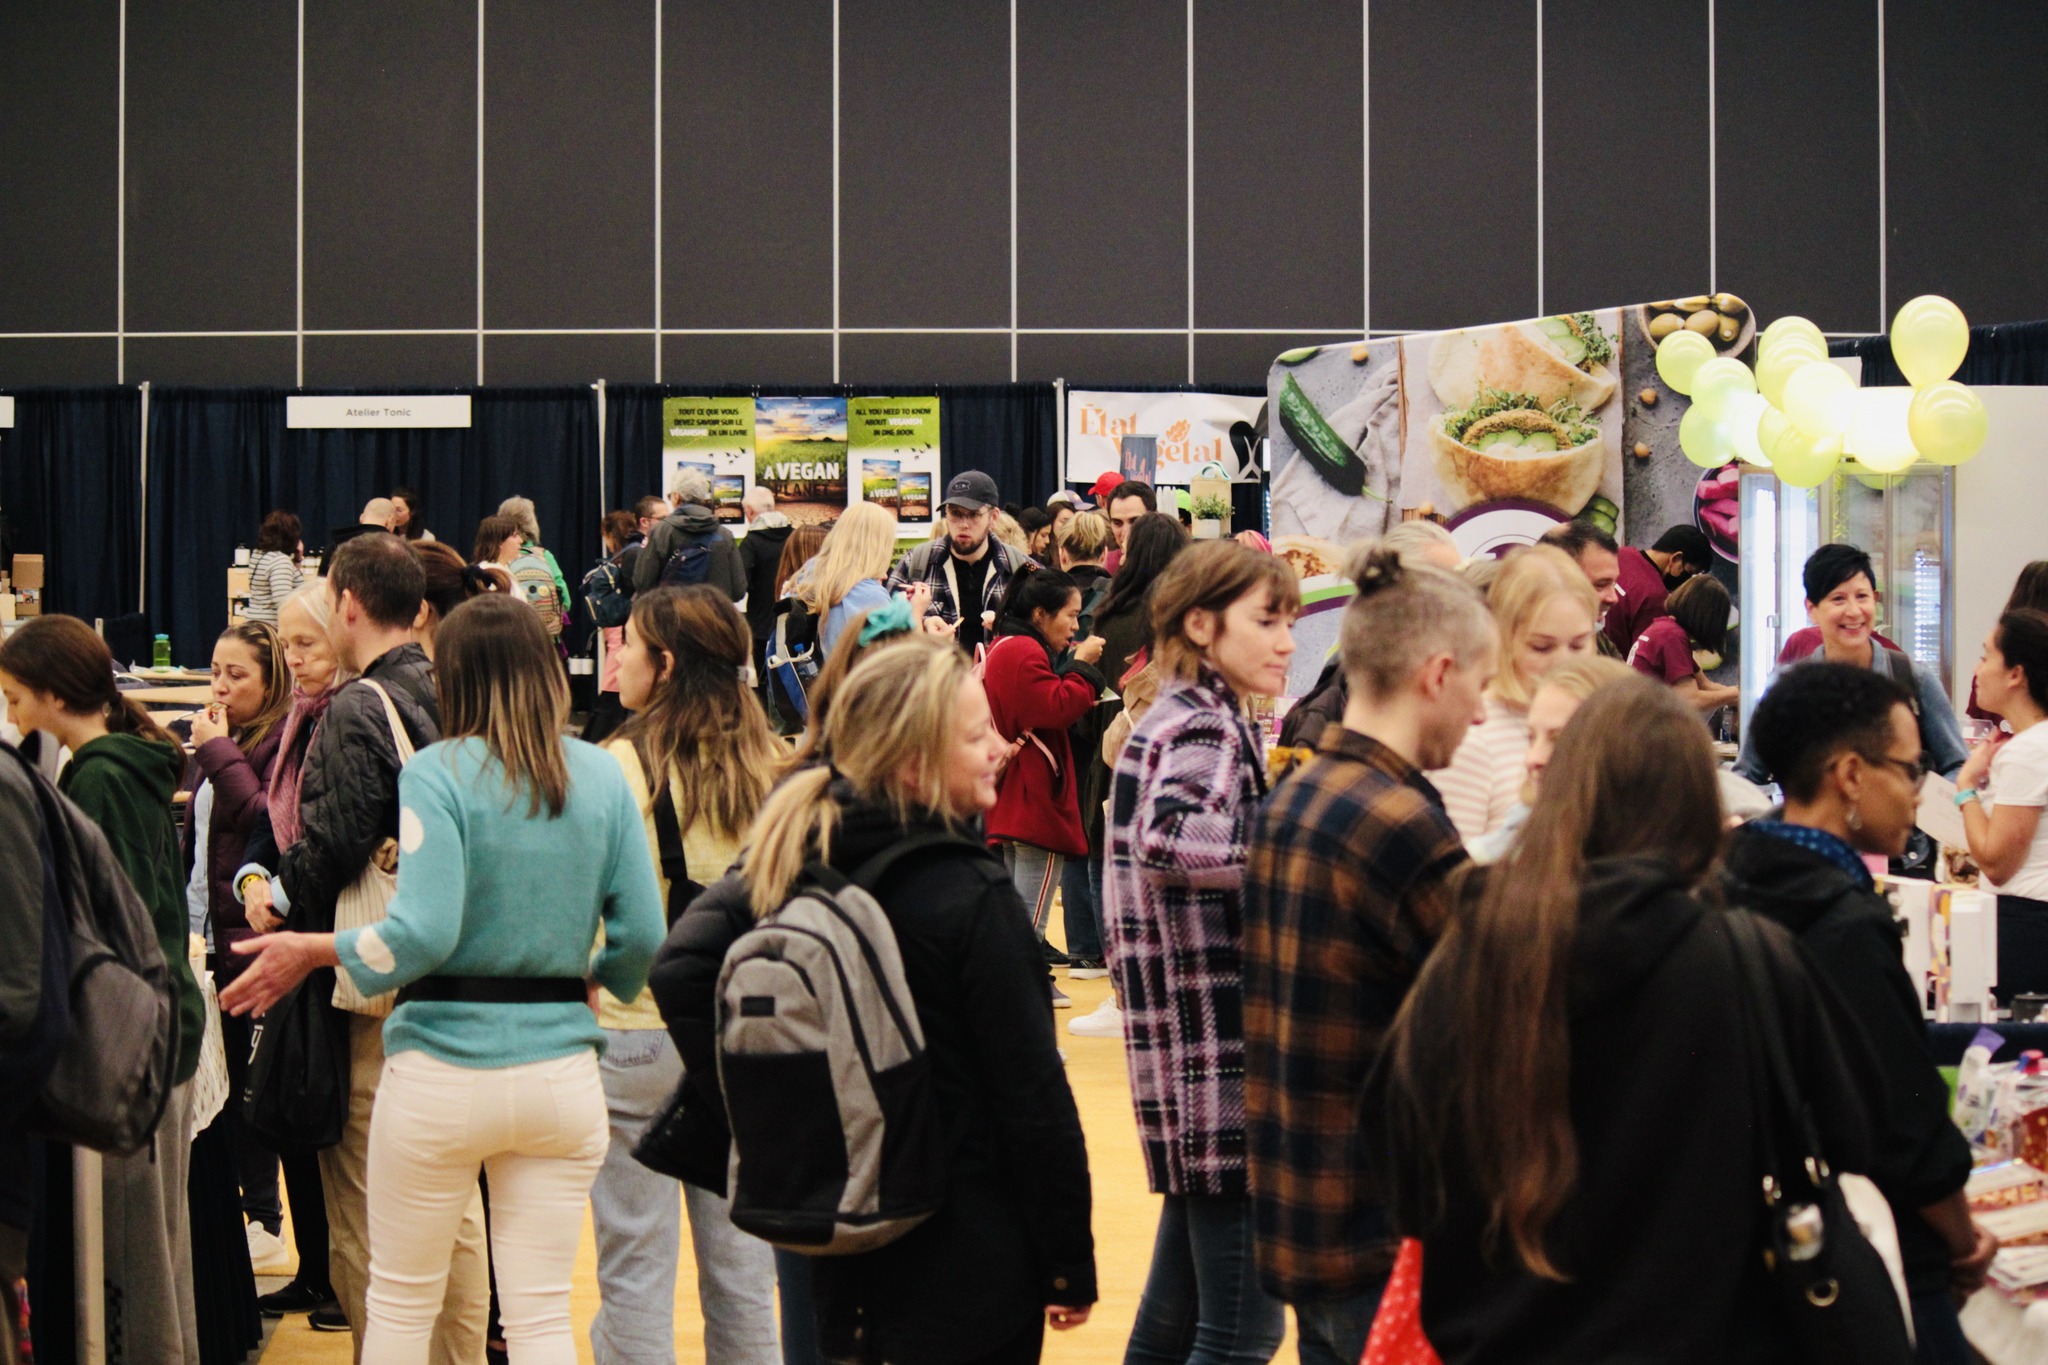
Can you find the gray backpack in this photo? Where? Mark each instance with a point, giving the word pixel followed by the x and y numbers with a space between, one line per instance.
pixel 837 1146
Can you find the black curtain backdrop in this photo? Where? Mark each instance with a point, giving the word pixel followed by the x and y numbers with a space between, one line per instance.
pixel 221 458
pixel 71 491
pixel 1008 431
pixel 2007 353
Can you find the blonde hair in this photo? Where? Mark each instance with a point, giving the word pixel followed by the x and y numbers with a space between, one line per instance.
pixel 1011 534
pixel 523 516
pixel 1414 539
pixel 1087 537
pixel 1581 678
pixel 859 546
pixel 889 735
pixel 1528 580
pixel 313 598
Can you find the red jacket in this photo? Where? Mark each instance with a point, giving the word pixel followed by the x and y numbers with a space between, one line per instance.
pixel 1036 802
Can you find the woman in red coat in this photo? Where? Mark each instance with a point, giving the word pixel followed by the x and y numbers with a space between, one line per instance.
pixel 1037 688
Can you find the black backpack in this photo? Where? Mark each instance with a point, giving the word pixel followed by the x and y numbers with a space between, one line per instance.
pixel 112 1074
pixel 609 593
pixel 690 561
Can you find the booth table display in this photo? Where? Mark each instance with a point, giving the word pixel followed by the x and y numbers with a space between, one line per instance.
pixel 170 696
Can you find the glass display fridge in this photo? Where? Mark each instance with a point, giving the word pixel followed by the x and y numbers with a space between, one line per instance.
pixel 1905 522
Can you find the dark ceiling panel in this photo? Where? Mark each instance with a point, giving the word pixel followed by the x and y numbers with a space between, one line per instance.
pixel 59 143
pixel 1102 164
pixel 924 163
pixel 1279 164
pixel 212 162
pixel 391 164
pixel 925 358
pixel 429 361
pixel 1453 163
pixel 569 164
pixel 557 359
pixel 1096 359
pixel 746 189
pixel 229 362
pixel 762 358
pixel 29 361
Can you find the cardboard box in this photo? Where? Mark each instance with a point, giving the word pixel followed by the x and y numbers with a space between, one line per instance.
pixel 28 571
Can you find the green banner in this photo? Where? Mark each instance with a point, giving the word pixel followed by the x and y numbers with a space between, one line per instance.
pixel 893 446
pixel 715 436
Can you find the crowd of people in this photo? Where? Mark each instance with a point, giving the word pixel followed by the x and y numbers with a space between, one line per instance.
pixel 1479 977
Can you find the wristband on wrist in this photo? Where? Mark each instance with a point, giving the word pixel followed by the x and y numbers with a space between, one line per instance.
pixel 242 886
pixel 1967 795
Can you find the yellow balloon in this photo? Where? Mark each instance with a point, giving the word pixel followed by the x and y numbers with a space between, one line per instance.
pixel 1721 380
pixel 1877 437
pixel 1679 357
pixel 1818 398
pixel 1930 337
pixel 1804 460
pixel 1947 422
pixel 1701 438
pixel 1772 426
pixel 1793 347
pixel 1786 327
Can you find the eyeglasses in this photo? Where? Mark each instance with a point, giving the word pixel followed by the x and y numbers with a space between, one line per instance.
pixel 1915 769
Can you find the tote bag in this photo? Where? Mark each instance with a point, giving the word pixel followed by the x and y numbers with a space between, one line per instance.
pixel 364 901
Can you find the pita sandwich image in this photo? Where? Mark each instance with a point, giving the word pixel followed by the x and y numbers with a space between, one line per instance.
pixel 1548 359
pixel 1310 556
pixel 1508 444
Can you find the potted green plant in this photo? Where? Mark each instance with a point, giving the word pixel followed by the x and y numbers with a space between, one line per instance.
pixel 1211 516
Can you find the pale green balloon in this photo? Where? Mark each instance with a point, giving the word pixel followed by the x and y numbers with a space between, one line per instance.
pixel 1679 357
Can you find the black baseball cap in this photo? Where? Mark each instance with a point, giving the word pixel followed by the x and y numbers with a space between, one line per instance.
pixel 971 489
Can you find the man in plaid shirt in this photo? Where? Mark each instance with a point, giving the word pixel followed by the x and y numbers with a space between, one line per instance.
pixel 1345 895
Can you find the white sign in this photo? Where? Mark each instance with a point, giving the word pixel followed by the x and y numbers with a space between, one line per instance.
pixel 1193 430
pixel 377 410
pixel 6 410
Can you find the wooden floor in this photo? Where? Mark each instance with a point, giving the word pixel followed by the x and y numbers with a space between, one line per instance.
pixel 1125 1217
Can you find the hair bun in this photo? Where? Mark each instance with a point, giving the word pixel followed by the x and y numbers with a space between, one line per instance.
pixel 1374 568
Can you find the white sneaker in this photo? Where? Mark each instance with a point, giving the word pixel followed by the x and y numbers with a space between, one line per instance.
pixel 267 1253
pixel 1105 1021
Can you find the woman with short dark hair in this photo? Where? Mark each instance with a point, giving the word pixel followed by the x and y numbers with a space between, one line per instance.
pixel 2003 789
pixel 274 572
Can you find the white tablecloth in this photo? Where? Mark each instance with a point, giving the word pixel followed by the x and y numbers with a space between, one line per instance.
pixel 2004 1332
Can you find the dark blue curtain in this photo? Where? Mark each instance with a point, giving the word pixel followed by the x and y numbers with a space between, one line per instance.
pixel 221 458
pixel 2007 353
pixel 1008 431
pixel 70 490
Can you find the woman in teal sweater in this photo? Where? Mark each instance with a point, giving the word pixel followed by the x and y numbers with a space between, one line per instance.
pixel 515 845
pixel 58 676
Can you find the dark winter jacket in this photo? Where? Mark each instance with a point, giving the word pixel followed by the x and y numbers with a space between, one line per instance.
pixel 1013 1234
pixel 348 801
pixel 670 534
pixel 1034 698
pixel 125 783
pixel 1660 1237
pixel 1093 580
pixel 241 802
pixel 1124 632
pixel 1321 708
pixel 760 553
pixel 1850 941
pixel 21 905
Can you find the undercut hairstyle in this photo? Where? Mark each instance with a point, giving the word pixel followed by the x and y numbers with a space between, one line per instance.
pixel 1131 488
pixel 1700 605
pixel 2023 640
pixel 1087 537
pixel 1404 615
pixel 1831 566
pixel 1573 537
pixel 1210 577
pixel 280 532
pixel 1688 543
pixel 1817 711
pixel 492 532
pixel 383 574
pixel 499 679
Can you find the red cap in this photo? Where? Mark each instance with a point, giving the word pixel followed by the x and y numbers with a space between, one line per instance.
pixel 1104 486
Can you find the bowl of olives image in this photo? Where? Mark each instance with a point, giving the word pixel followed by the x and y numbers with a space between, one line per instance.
pixel 1721 318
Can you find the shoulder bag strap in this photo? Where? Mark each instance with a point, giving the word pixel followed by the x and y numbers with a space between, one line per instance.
pixel 1783 1097
pixel 401 742
pixel 668 835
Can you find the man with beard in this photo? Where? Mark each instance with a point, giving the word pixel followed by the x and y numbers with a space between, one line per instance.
pixel 968 569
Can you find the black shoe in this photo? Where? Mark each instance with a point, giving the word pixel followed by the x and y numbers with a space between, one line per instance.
pixel 328 1319
pixel 295 1298
pixel 1053 956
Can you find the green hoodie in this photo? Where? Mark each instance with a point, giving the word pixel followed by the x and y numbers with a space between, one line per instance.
pixel 125 783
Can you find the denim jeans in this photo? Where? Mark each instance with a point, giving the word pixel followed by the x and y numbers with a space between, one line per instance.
pixel 799 1309
pixel 1081 894
pixel 1333 1331
pixel 638 1220
pixel 1035 872
pixel 1202 1303
pixel 1940 1331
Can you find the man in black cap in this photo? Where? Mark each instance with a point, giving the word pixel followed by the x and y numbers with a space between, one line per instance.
pixel 967 569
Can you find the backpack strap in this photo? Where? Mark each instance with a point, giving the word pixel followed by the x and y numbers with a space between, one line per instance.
pixel 868 873
pixel 668 834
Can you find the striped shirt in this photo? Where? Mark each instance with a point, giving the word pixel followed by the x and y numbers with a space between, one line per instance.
pixel 1344 898
pixel 1484 782
pixel 272 578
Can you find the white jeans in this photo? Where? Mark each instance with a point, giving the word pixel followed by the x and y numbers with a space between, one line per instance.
pixel 539 1133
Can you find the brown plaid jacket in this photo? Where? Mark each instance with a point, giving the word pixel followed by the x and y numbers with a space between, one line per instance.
pixel 1344 898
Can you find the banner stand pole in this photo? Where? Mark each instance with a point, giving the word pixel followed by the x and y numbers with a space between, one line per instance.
pixel 89 1255
pixel 1059 402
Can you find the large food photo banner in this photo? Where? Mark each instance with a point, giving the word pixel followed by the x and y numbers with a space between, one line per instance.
pixel 1498 433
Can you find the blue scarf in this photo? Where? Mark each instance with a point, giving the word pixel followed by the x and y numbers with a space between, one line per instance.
pixel 1821 842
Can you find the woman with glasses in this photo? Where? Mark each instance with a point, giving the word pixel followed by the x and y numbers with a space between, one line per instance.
pixel 1846 749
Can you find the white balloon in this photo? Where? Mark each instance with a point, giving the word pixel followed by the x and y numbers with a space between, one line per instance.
pixel 1739 419
pixel 1877 437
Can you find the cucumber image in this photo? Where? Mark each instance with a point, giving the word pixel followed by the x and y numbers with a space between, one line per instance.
pixel 1320 444
pixel 1298 354
pixel 1601 513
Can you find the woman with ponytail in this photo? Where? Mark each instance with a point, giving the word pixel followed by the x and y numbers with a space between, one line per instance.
pixel 58 676
pixel 911 753
pixel 1040 681
pixel 1566 1099
pixel 2004 787
pixel 699 758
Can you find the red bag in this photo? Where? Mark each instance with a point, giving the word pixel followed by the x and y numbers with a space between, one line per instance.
pixel 1397 1337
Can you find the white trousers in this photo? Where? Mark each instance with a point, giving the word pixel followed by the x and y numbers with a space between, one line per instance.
pixel 539 1132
